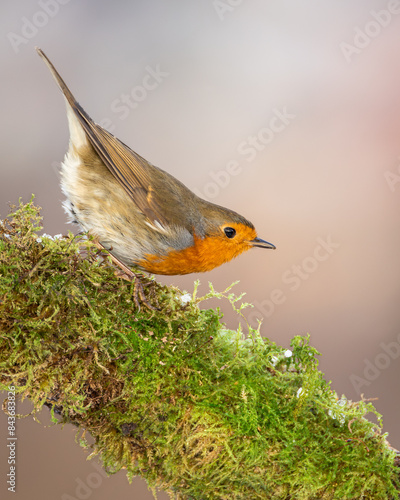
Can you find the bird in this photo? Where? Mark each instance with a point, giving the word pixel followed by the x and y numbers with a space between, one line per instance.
pixel 141 214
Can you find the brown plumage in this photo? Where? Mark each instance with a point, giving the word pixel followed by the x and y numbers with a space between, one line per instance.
pixel 141 213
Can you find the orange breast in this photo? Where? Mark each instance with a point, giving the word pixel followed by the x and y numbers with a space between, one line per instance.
pixel 204 255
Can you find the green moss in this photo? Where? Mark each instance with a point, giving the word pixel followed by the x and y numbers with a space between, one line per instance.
pixel 172 395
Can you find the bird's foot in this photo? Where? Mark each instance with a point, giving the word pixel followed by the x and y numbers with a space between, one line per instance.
pixel 127 274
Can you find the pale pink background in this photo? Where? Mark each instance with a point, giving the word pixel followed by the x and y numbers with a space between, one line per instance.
pixel 323 174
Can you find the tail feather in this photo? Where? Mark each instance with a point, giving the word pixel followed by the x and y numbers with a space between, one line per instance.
pixel 57 77
pixel 131 171
pixel 75 113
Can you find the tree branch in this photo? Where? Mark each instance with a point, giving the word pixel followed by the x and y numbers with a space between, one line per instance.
pixel 173 395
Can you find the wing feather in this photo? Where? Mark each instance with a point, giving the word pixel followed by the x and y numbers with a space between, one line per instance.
pixel 129 169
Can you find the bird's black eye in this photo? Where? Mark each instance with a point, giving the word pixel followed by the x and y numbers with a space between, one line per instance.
pixel 229 232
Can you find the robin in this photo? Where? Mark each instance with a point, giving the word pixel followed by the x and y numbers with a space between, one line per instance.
pixel 140 213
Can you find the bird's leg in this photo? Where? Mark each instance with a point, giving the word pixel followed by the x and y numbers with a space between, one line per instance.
pixel 128 275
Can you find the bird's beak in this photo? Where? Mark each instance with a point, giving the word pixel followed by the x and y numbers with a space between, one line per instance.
pixel 258 242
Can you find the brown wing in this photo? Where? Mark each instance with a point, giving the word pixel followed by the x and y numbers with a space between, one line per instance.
pixel 130 169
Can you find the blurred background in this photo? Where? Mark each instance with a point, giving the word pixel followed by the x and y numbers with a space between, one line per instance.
pixel 287 112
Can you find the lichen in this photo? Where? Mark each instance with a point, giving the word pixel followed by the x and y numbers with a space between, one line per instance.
pixel 171 394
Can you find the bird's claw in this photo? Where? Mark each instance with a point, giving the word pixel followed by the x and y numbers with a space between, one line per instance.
pixel 127 274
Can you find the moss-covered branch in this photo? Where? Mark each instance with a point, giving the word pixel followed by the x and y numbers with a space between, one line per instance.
pixel 172 395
